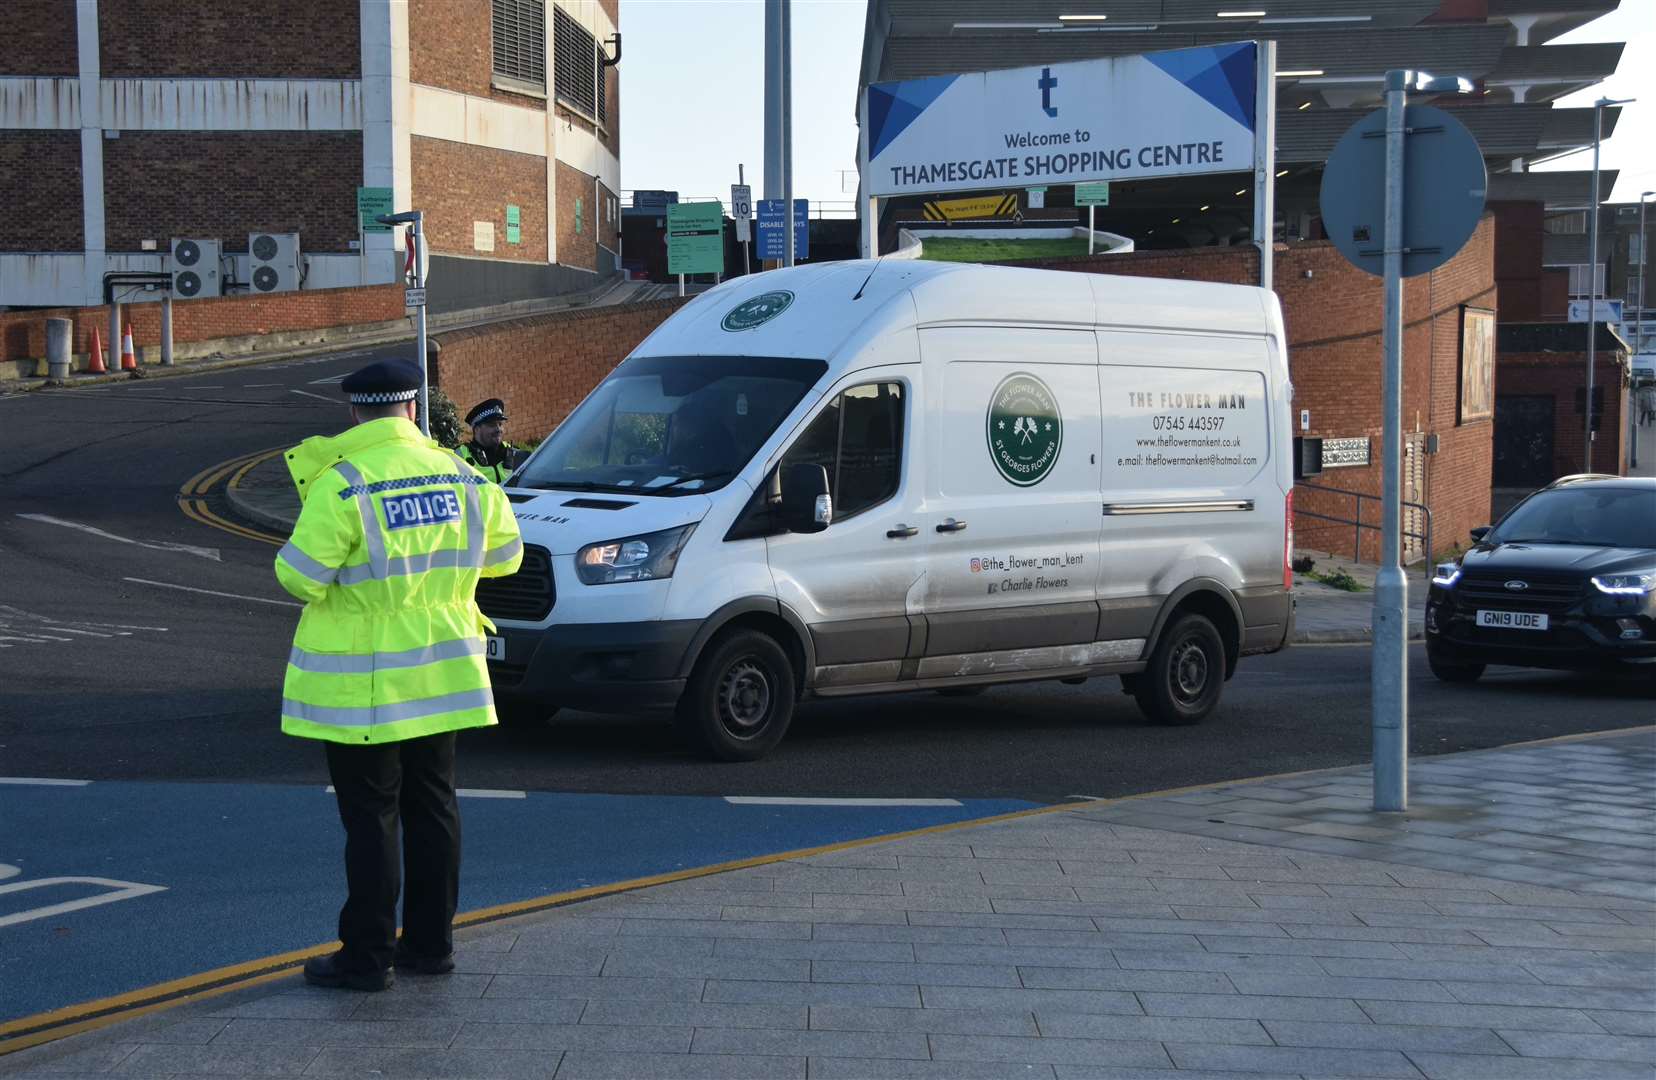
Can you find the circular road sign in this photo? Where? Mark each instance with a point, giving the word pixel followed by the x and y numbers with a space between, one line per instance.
pixel 1444 181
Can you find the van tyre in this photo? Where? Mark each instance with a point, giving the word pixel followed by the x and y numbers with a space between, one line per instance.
pixel 740 699
pixel 1448 671
pixel 1186 672
pixel 517 713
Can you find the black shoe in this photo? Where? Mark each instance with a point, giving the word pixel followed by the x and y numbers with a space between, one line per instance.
pixel 407 960
pixel 327 971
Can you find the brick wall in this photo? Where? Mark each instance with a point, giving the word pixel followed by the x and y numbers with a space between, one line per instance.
pixel 1562 376
pixel 451 45
pixel 544 365
pixel 221 184
pixel 23 333
pixel 41 210
pixel 293 39
pixel 577 248
pixel 457 185
pixel 40 38
pixel 1518 259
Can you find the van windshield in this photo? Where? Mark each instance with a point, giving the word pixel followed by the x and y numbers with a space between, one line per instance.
pixel 671 425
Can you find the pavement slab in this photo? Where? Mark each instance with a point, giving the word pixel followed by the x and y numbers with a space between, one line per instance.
pixel 903 959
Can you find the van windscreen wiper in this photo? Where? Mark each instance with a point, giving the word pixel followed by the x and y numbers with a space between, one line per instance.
pixel 691 478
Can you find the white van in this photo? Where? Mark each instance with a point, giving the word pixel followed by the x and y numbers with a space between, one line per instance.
pixel 864 478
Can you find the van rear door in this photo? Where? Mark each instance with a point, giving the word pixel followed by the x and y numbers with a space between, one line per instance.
pixel 1012 521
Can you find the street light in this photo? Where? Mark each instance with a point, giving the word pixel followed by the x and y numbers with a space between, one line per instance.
pixel 1644 260
pixel 1592 271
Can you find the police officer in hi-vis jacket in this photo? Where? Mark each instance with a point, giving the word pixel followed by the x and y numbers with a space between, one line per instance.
pixel 388 662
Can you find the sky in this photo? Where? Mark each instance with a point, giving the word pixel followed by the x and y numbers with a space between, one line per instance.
pixel 693 85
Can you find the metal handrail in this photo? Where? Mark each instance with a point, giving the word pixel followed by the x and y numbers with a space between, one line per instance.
pixel 1359 524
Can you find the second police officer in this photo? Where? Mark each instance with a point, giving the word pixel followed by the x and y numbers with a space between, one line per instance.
pixel 488 451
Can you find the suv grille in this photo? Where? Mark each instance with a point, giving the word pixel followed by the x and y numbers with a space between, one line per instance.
pixel 527 595
pixel 1546 591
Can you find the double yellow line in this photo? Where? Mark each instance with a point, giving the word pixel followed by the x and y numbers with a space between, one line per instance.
pixel 192 497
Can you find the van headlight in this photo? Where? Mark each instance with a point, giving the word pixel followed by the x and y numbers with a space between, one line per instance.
pixel 1447 574
pixel 632 558
pixel 1631 583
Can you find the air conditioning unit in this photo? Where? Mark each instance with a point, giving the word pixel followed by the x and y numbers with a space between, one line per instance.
pixel 195 268
pixel 274 262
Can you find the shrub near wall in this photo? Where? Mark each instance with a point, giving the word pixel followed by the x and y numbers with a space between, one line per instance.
pixel 543 365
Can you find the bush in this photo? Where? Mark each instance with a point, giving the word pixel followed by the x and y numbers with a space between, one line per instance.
pixel 445 420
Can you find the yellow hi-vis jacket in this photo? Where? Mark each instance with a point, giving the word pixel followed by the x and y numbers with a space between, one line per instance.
pixel 392 538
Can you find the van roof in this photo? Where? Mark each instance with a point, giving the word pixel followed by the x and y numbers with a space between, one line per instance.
pixel 832 303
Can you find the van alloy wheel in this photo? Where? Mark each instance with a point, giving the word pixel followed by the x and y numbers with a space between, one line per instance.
pixel 1189 671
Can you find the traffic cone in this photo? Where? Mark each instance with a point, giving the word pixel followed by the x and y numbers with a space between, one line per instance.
pixel 129 359
pixel 95 357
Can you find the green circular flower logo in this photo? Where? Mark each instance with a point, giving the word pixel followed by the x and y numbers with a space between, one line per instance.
pixel 757 310
pixel 1025 429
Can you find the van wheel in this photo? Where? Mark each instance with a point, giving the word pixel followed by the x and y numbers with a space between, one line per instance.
pixel 1186 672
pixel 740 699
pixel 518 713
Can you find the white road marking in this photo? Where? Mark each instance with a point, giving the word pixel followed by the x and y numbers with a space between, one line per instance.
pixel 41 781
pixel 318 397
pixel 124 890
pixel 157 545
pixel 768 800
pixel 19 627
pixel 255 385
pixel 210 592
pixel 8 870
pixel 469 793
pixel 329 379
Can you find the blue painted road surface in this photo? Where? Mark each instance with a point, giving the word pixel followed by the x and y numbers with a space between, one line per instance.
pixel 200 876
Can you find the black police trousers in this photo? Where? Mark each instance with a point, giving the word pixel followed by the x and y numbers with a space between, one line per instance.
pixel 377 785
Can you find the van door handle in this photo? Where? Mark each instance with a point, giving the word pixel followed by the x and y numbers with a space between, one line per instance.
pixel 951 525
pixel 902 532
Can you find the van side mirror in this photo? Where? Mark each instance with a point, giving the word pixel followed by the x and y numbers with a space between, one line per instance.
pixel 806 505
pixel 1480 532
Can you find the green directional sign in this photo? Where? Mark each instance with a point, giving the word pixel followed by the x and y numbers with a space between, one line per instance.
pixel 695 238
pixel 372 202
pixel 1097 194
pixel 514 222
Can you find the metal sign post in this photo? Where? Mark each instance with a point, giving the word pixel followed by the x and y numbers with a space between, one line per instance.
pixel 1419 192
pixel 417 261
pixel 741 210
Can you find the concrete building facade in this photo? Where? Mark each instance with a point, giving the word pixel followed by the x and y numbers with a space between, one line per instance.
pixel 127 123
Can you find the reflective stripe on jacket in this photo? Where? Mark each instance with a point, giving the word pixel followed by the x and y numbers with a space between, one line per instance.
pixel 391 540
pixel 499 471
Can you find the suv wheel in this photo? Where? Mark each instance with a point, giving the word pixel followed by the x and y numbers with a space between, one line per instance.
pixel 740 699
pixel 1449 671
pixel 1186 672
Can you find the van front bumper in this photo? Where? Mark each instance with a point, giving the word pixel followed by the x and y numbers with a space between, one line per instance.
pixel 597 667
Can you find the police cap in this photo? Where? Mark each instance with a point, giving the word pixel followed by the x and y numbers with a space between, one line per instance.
pixel 483 412
pixel 383 383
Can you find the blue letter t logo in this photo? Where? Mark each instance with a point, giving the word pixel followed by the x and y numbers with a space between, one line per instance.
pixel 1046 83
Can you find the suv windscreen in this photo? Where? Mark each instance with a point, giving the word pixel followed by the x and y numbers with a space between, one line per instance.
pixel 671 425
pixel 1597 516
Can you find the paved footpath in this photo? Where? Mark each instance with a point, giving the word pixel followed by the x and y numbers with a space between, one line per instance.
pixel 1505 927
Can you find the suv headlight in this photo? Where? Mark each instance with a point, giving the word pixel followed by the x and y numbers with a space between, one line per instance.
pixel 632 558
pixel 1447 574
pixel 1630 583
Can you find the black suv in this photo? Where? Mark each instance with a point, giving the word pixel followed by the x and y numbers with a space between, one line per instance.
pixel 1567 579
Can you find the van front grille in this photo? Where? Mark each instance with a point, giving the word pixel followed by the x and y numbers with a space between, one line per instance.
pixel 526 596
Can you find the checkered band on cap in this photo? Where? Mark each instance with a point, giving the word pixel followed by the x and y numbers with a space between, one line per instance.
pixel 387 398
pixel 488 414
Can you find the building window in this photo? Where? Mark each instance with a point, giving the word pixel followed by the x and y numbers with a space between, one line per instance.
pixel 1578 278
pixel 1572 223
pixel 520 44
pixel 579 73
pixel 1635 250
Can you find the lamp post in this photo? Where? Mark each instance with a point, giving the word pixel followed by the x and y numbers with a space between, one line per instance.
pixel 1644 260
pixel 1592 273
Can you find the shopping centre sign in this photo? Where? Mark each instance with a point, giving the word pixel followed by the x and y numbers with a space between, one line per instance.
pixel 1175 113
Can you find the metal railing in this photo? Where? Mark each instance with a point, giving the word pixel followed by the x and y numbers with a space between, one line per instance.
pixel 1358 524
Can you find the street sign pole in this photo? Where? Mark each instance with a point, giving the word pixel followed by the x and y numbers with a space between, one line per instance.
pixel 1264 223
pixel 787 124
pixel 1091 217
pixel 1389 672
pixel 1592 287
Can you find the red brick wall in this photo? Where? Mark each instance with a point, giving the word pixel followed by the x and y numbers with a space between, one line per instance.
pixel 1562 376
pixel 23 333
pixel 577 249
pixel 1518 259
pixel 451 45
pixel 568 353
pixel 227 184
pixel 292 39
pixel 458 185
pixel 40 38
pixel 41 208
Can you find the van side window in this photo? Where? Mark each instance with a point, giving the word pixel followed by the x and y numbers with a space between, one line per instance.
pixel 858 438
